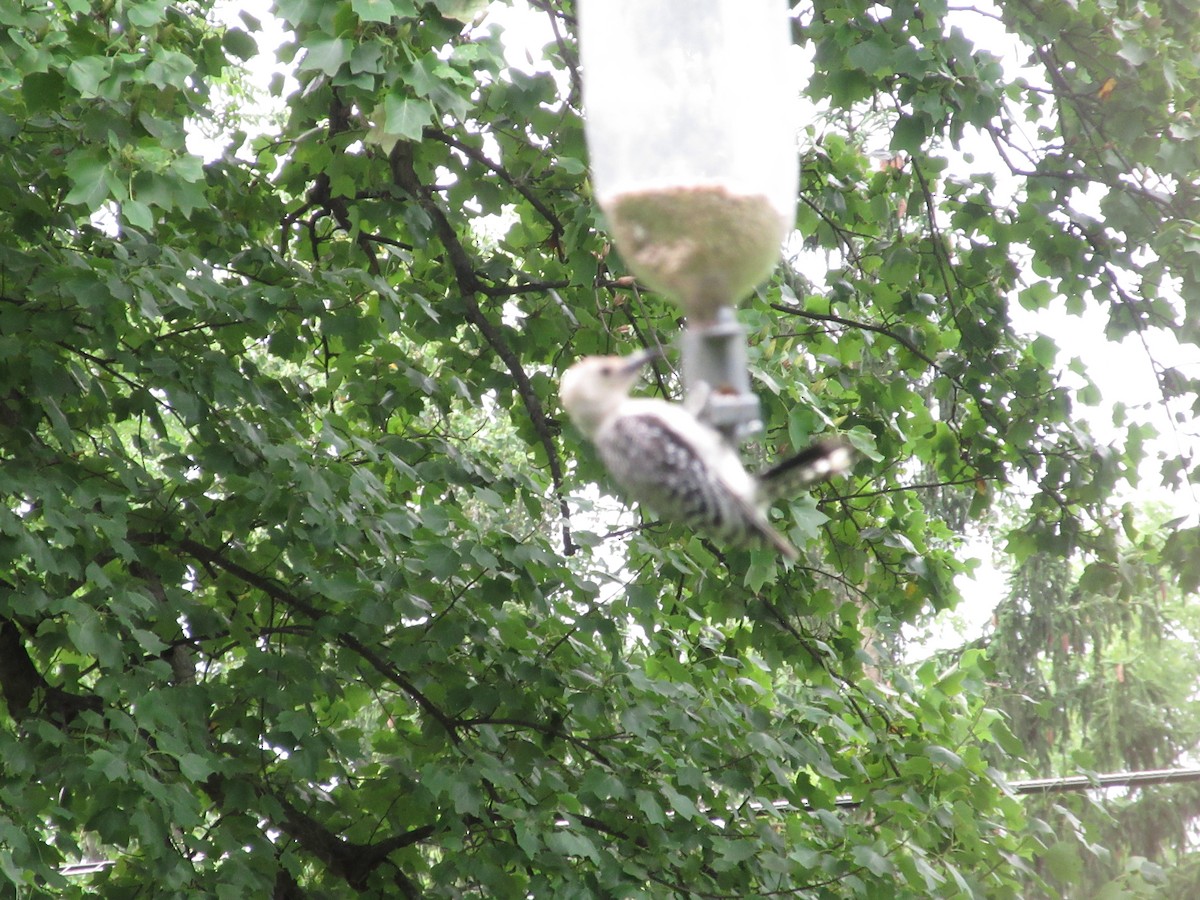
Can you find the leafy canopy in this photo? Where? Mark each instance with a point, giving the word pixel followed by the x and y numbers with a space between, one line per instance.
pixel 299 595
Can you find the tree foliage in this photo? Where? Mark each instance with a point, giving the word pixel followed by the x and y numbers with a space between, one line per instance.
pixel 299 592
pixel 1108 687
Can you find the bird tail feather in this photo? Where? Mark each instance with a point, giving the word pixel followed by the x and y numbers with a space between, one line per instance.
pixel 818 462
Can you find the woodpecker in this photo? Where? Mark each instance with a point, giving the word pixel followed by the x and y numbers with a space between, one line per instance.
pixel 681 468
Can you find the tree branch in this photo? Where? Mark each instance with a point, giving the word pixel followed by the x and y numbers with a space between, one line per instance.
pixel 864 326
pixel 350 861
pixel 22 685
pixel 405 175
pixel 289 598
pixel 470 152
pixel 547 730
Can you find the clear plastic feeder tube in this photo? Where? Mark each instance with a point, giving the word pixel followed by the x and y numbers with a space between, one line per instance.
pixel 690 117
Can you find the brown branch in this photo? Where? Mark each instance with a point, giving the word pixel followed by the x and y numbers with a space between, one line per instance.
pixel 986 408
pixel 353 862
pixel 567 49
pixel 945 265
pixel 529 287
pixel 21 684
pixel 842 233
pixel 1002 144
pixel 280 594
pixel 470 152
pixel 26 691
pixel 405 175
pixel 286 224
pixel 848 686
pixel 915 486
pixel 547 730
pixel 387 241
pixel 906 343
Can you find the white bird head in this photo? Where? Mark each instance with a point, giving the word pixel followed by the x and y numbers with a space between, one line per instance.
pixel 594 387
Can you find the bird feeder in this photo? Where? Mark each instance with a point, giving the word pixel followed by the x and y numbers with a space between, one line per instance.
pixel 692 146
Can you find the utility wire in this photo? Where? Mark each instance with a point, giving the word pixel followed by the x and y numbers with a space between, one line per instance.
pixel 1065 784
pixel 1116 779
pixel 1080 783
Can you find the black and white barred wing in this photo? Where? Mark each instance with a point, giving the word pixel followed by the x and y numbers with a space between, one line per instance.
pixel 657 467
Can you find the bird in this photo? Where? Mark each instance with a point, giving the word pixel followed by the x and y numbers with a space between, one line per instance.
pixel 661 455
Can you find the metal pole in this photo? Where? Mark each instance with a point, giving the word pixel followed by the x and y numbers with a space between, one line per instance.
pixel 715 376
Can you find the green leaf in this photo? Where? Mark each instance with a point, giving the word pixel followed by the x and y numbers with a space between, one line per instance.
pixel 463 10
pixel 944 757
pixel 1135 53
pixel 148 640
pixel 112 767
pixel 239 43
pixel 871 56
pixel 42 91
pixel 326 55
pixel 734 853
pixel 1044 350
pixel 910 134
pixel 137 214
pixel 148 14
pixel 170 69
pixel 87 632
pixel 383 10
pixel 432 78
pixel 683 806
pixel 195 767
pixel 873 861
pixel 87 74
pixel 763 565
pixel 405 117
pixel 1064 862
pixel 650 808
pixel 1037 295
pixel 569 843
pixel 807 518
pixel 88 171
